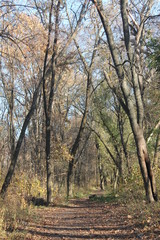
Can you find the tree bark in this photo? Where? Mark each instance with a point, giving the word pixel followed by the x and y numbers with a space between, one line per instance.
pixel 145 166
pixel 100 166
pixel 157 145
pixel 48 162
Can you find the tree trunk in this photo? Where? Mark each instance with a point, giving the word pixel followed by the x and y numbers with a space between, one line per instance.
pixel 100 166
pixel 69 176
pixel 12 130
pixel 145 166
pixel 116 179
pixel 48 91
pixel 157 145
pixel 48 161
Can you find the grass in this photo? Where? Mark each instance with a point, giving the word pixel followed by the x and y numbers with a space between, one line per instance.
pixel 109 198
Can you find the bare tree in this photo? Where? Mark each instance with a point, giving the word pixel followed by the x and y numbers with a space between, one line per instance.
pixel 131 78
pixel 16 150
pixel 88 73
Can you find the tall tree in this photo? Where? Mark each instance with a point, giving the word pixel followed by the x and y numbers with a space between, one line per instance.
pixel 48 92
pixel 130 90
pixel 18 51
pixel 88 72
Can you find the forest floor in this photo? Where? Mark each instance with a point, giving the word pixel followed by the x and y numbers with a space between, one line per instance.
pixel 87 219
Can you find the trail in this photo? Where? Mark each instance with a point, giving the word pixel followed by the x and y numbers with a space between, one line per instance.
pixel 85 219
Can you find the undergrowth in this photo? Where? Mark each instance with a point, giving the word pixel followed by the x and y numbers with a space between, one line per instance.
pixel 15 210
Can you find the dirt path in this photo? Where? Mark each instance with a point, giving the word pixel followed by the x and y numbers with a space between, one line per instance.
pixel 84 219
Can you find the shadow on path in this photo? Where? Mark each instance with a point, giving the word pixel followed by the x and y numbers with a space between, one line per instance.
pixel 84 219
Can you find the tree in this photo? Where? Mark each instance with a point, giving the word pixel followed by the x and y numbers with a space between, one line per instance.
pixel 112 124
pixel 88 67
pixel 17 53
pixel 48 92
pixel 131 77
pixel 54 77
pixel 154 54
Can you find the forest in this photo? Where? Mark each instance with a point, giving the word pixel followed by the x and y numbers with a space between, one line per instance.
pixel 79 110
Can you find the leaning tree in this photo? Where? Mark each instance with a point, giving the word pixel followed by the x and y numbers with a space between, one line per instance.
pixel 127 53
